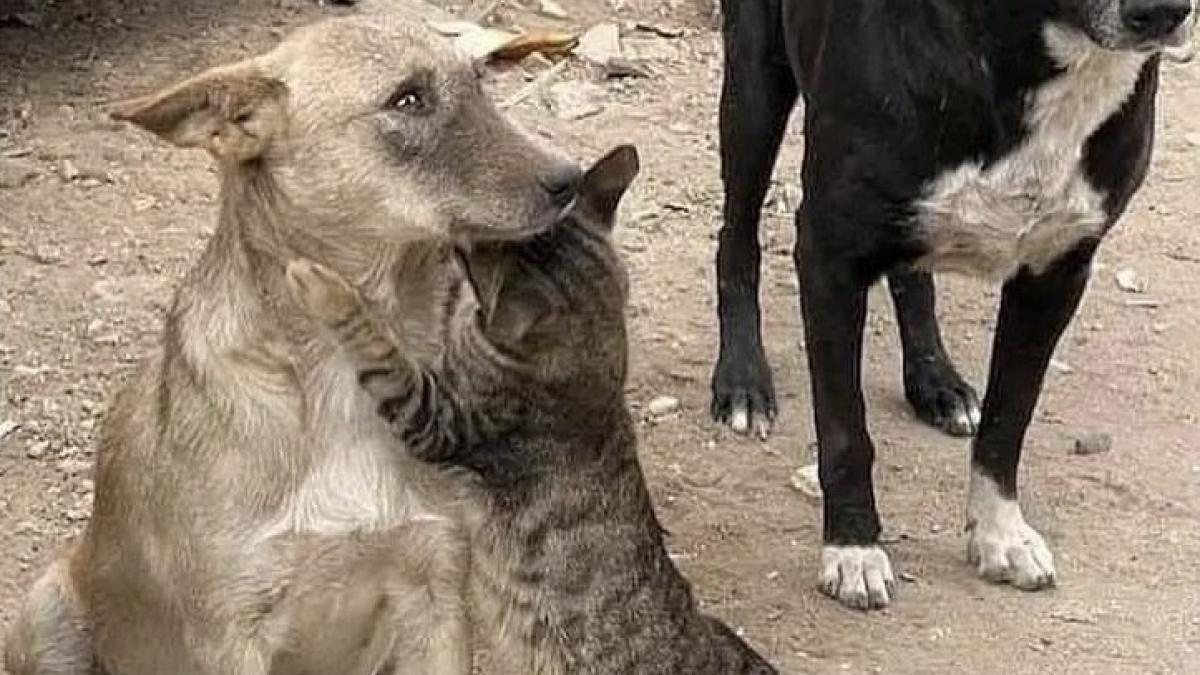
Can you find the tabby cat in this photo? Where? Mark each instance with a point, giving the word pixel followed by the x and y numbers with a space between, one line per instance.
pixel 569 568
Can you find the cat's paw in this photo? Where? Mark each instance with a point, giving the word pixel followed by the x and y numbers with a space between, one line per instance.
pixel 320 291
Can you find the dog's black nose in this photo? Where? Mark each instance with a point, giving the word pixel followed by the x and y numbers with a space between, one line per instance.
pixel 561 181
pixel 1154 19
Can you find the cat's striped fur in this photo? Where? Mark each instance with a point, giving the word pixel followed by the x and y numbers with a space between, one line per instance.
pixel 569 567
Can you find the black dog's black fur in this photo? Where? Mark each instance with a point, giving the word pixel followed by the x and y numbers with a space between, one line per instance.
pixel 895 92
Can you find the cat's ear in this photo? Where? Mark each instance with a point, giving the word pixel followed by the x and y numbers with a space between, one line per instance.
pixel 510 310
pixel 233 111
pixel 606 182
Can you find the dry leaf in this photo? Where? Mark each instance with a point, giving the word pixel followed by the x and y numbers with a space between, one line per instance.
pixel 545 42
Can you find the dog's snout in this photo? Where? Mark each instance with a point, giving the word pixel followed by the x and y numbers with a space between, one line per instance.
pixel 1154 19
pixel 561 181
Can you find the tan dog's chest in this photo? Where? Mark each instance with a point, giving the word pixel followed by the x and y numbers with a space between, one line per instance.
pixel 359 479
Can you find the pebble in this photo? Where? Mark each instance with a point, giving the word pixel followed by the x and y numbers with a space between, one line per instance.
pixel 807 482
pixel 37 450
pixel 1093 444
pixel 78 514
pixel 575 100
pixel 1192 140
pixel 600 43
pixel 46 254
pixel 661 406
pixel 1061 367
pixel 552 9
pixel 1128 281
pixel 68 170
pixel 7 427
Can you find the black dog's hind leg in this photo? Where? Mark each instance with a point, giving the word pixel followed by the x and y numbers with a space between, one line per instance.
pixel 833 297
pixel 1034 311
pixel 937 393
pixel 757 95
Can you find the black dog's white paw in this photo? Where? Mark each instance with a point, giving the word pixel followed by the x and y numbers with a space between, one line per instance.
pixel 1003 548
pixel 859 577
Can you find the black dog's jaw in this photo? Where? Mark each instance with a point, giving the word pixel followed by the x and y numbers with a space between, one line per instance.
pixel 996 139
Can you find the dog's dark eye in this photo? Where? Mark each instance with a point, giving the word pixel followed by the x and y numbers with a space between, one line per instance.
pixel 407 100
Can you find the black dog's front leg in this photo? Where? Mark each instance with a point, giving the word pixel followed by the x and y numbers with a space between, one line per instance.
pixel 757 94
pixel 854 569
pixel 1034 311
pixel 932 385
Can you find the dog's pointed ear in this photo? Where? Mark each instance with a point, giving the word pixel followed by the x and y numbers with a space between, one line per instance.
pixel 509 310
pixel 234 112
pixel 607 181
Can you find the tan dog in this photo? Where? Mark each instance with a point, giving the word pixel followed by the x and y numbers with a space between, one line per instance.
pixel 251 513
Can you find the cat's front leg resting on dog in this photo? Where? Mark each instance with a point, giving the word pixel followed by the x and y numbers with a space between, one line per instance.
pixel 413 399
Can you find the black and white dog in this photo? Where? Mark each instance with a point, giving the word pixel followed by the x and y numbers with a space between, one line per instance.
pixel 1000 138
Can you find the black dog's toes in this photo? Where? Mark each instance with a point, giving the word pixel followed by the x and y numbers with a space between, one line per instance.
pixel 744 395
pixel 941 398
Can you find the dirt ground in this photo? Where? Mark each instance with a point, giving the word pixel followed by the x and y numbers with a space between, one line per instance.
pixel 98 222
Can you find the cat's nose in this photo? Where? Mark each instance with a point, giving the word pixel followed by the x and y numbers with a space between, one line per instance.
pixel 561 182
pixel 1154 19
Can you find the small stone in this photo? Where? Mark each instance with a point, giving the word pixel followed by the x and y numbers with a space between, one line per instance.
pixel 1093 444
pixel 907 577
pixel 600 43
pixel 1128 281
pixel 7 427
pixel 620 67
pixel 661 406
pixel 552 9
pixel 68 171
pixel 37 450
pixel 806 480
pixel 78 514
pixel 1061 367
pixel 144 203
pixel 46 254
pixel 1192 140
pixel 575 100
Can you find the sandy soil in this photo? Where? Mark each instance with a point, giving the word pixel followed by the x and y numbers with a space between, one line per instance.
pixel 98 222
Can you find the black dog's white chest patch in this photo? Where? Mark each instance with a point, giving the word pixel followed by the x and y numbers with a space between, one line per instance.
pixel 1034 204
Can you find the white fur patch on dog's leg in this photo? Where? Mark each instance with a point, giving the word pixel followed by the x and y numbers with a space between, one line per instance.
pixel 1002 546
pixel 859 577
